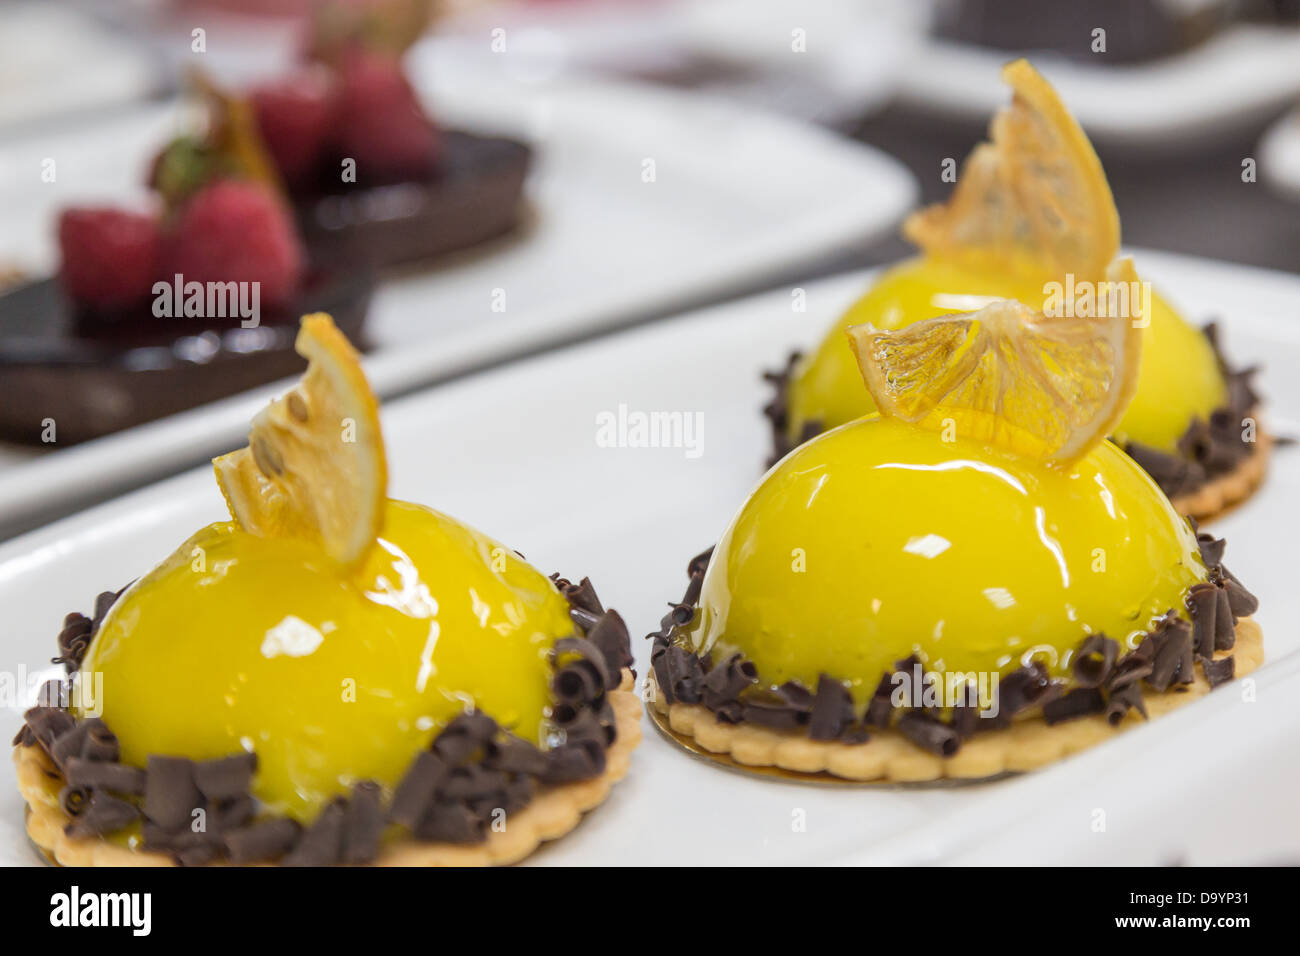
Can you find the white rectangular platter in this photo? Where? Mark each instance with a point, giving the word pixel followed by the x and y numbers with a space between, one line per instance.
pixel 514 452
pixel 1235 78
pixel 738 199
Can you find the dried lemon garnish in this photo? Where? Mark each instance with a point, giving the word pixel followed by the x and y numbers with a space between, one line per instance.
pixel 1046 388
pixel 315 465
pixel 1034 199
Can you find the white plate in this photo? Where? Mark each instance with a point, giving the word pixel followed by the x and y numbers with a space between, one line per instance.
pixel 1279 154
pixel 54 60
pixel 739 199
pixel 818 59
pixel 1234 79
pixel 514 452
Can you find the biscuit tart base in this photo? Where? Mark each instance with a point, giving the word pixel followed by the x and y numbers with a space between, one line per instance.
pixel 553 812
pixel 889 757
pixel 1220 494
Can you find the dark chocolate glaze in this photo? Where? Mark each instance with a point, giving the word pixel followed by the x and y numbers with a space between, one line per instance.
pixel 94 376
pixel 473 194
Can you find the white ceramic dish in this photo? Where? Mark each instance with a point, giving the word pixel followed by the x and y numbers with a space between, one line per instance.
pixel 1234 79
pixel 514 451
pixel 1279 154
pixel 739 199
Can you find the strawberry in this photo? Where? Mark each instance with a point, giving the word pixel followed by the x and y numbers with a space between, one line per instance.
pixel 296 116
pixel 235 230
pixel 381 124
pixel 110 256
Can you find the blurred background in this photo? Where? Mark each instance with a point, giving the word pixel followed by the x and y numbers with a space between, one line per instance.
pixel 1180 94
pixel 784 140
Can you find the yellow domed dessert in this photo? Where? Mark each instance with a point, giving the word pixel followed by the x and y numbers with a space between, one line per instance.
pixel 331 677
pixel 1031 219
pixel 970 581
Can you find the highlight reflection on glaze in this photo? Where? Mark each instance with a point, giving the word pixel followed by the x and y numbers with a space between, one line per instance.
pixel 1179 378
pixel 971 557
pixel 240 642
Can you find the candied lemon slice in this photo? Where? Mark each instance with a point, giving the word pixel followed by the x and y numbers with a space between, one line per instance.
pixel 1034 199
pixel 314 466
pixel 1047 388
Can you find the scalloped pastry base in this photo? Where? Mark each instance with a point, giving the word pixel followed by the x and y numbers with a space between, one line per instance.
pixel 889 757
pixel 553 812
pixel 1215 497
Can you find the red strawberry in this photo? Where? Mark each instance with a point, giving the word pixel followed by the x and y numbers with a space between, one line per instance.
pixel 381 124
pixel 296 116
pixel 110 256
pixel 238 231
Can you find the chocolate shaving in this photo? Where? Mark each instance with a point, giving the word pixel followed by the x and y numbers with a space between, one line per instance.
pixel 1080 702
pixel 832 710
pixel 170 795
pixel 1202 605
pixel 321 844
pixel 1240 601
pixel 966 711
pixel 1207 449
pixel 1094 659
pixel 1219 671
pixel 1126 698
pixel 226 778
pixel 363 823
pixel 261 842
pixel 104 775
pixel 929 734
pixel 102 814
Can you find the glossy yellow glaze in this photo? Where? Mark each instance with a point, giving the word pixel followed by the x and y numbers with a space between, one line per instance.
pixel 1179 378
pixel 240 642
pixel 878 539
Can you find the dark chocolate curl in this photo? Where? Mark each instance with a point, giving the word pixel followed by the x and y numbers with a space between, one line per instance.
pixel 231 814
pixel 1170 644
pixel 100 775
pixel 101 743
pixel 583 595
pixel 577 761
pixel 966 710
pixel 1126 698
pixel 261 842
pixel 48 723
pixel 321 843
pixel 414 794
pixel 515 755
pixel 588 653
pixel 611 637
pixel 1240 601
pixel 450 823
pixel 1202 604
pixel 1079 702
pixel 464 736
pixel 1094 659
pixel 73 799
pixel 1211 549
pixel 69 744
pixel 103 814
pixel 832 710
pixel 929 734
pixel 880 709
pixel 227 777
pixel 770 709
pixel 1225 634
pixel 1023 687
pixel 363 823
pixel 1219 671
pixel 170 795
